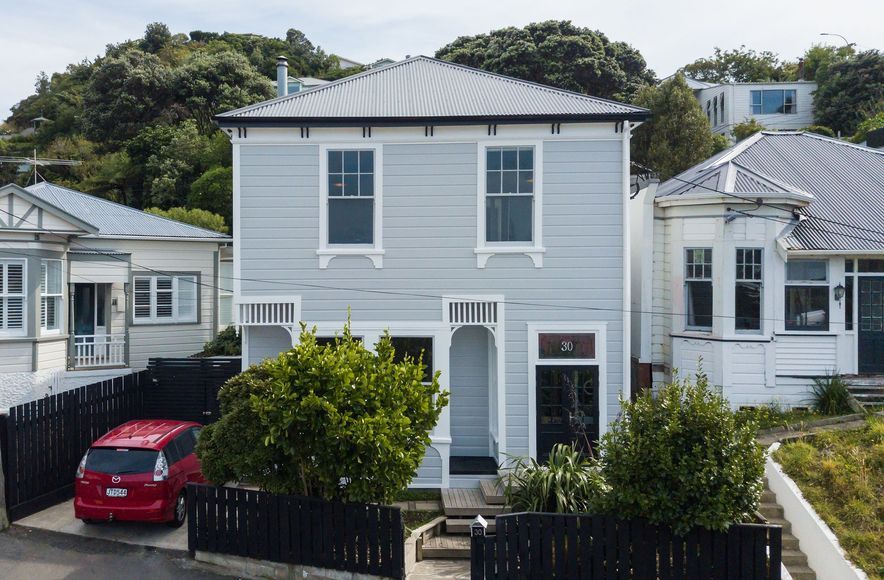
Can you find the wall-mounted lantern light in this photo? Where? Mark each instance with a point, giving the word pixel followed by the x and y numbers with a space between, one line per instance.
pixel 839 292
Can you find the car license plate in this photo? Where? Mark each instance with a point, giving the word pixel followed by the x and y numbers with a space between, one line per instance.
pixel 116 492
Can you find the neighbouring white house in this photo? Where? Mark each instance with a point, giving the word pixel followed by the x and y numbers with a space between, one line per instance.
pixel 89 288
pixel 776 105
pixel 484 227
pixel 767 262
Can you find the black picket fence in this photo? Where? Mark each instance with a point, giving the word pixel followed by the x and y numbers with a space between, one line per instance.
pixel 42 441
pixel 603 548
pixel 361 538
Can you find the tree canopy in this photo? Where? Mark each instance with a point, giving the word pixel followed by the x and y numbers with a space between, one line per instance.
pixel 850 91
pixel 556 53
pixel 195 217
pixel 740 65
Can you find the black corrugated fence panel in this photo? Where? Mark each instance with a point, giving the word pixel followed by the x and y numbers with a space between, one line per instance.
pixel 363 538
pixel 603 548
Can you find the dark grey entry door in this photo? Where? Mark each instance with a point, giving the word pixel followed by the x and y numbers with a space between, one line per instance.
pixel 871 324
pixel 558 417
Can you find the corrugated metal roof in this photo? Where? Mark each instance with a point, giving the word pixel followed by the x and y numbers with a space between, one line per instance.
pixel 423 88
pixel 113 219
pixel 844 183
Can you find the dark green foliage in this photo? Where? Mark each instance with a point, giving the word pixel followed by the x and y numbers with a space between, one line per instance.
pixel 193 216
pixel 335 421
pixel 227 343
pixel 830 395
pixel 746 129
pixel 681 459
pixel 156 36
pixel 556 53
pixel 565 483
pixel 739 65
pixel 819 130
pixel 677 136
pixel 850 92
pixel 867 126
pixel 213 191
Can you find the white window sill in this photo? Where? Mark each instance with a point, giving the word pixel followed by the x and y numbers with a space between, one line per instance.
pixel 159 323
pixel 533 252
pixel 326 254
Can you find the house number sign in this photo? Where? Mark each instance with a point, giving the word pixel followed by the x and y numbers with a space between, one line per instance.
pixel 567 346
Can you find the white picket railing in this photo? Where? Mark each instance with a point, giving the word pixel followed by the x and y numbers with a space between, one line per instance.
pixel 99 350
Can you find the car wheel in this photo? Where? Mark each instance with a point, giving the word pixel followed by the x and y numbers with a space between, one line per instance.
pixel 179 513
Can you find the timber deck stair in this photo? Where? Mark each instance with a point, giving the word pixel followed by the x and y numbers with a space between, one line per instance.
pixel 868 391
pixel 794 559
pixel 461 506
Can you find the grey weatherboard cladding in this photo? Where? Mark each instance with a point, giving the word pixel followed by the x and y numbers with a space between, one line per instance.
pixel 423 90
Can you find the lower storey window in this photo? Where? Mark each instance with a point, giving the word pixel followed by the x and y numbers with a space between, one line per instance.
pixel 165 299
pixel 807 308
pixel 414 347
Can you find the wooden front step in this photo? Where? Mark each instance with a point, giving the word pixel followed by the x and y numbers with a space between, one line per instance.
pixel 492 492
pixel 468 503
pixel 462 526
pixel 446 546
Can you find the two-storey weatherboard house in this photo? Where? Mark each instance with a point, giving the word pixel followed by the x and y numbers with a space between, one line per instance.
pixel 483 226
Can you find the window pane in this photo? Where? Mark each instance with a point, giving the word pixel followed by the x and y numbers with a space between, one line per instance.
pixel 807 307
pixel 335 162
pixel 510 159
pixel 509 182
pixel 351 184
pixel 806 271
pixel 351 161
pixel 350 221
pixel 335 184
pixel 699 304
pixel 526 182
pixel 772 102
pixel 366 162
pixel 579 345
pixel 756 97
pixel 414 346
pixel 508 219
pixel 366 185
pixel 848 302
pixel 187 297
pixel 492 182
pixel 526 158
pixel 870 266
pixel 747 306
pixel 492 159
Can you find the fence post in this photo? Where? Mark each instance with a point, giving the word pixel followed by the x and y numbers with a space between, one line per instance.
pixel 4 441
pixel 477 548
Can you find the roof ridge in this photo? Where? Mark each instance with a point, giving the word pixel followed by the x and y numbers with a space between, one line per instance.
pixel 122 205
pixel 835 140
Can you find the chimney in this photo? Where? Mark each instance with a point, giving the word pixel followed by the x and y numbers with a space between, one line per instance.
pixel 282 76
pixel 800 69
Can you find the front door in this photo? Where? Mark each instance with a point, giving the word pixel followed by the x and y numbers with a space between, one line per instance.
pixel 84 309
pixel 567 406
pixel 871 324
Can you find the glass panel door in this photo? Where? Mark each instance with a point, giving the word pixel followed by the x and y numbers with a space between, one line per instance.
pixel 567 406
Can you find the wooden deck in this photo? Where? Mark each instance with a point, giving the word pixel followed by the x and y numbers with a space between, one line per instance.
pixel 447 547
pixel 467 503
pixel 492 491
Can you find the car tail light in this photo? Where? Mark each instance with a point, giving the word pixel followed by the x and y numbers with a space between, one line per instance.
pixel 81 469
pixel 161 469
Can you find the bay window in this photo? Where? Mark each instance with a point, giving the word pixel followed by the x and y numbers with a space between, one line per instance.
pixel 164 299
pixel 12 298
pixel 698 288
pixel 807 295
pixel 51 301
pixel 747 290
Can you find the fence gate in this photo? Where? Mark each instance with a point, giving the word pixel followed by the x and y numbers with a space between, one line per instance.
pixel 187 388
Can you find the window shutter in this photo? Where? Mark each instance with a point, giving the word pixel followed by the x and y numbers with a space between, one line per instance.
pixel 15 277
pixel 142 297
pixel 164 297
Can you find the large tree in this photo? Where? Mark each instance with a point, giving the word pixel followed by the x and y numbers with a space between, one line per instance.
pixel 739 65
pixel 677 135
pixel 850 92
pixel 556 53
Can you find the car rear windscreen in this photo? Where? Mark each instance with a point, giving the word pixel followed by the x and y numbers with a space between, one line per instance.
pixel 121 461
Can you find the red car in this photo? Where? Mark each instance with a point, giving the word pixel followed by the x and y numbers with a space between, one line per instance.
pixel 138 472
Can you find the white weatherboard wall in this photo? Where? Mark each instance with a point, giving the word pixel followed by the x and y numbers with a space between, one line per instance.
pixel 818 542
pixel 430 187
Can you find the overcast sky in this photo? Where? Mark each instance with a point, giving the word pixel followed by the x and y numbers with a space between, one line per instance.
pixel 48 34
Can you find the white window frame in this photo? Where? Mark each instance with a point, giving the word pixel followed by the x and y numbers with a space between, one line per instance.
pixel 5 294
pixel 535 329
pixel 533 249
pixel 759 281
pixel 58 297
pixel 710 279
pixel 375 251
pixel 175 318
pixel 760 104
pixel 804 284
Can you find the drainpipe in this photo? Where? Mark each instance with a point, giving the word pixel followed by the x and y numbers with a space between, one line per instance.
pixel 282 76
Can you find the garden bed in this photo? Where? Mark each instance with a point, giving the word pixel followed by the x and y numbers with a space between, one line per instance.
pixel 841 474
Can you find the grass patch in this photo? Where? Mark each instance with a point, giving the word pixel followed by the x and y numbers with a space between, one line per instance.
pixel 773 417
pixel 841 473
pixel 419 495
pixel 415 519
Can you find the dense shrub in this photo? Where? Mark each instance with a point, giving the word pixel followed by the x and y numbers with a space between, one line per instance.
pixel 681 459
pixel 566 483
pixel 227 343
pixel 746 129
pixel 830 396
pixel 335 421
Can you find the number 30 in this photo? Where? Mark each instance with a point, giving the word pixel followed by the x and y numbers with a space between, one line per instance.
pixel 567 346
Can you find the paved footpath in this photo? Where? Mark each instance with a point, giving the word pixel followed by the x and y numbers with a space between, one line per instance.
pixel 433 568
pixel 27 554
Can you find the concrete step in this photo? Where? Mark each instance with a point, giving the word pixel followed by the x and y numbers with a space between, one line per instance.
pixel 771 510
pixel 468 503
pixel 492 492
pixel 462 526
pixel 767 496
pixel 794 558
pixel 790 542
pixel 801 573
pixel 448 547
pixel 787 525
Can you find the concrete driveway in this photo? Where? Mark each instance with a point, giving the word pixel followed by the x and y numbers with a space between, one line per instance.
pixel 60 518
